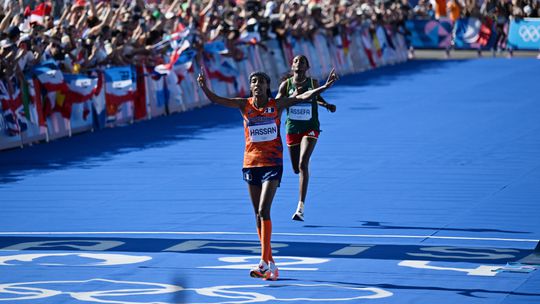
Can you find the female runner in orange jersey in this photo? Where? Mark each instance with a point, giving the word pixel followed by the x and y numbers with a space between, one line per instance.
pixel 263 156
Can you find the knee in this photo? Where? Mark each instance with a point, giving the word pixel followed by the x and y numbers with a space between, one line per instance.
pixel 295 167
pixel 303 166
pixel 264 214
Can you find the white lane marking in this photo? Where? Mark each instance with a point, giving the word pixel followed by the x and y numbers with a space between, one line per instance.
pixel 388 236
pixel 106 259
pixel 482 270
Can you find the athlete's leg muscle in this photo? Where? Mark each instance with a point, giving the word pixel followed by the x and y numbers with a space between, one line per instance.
pixel 255 195
pixel 306 149
pixel 267 196
pixel 294 152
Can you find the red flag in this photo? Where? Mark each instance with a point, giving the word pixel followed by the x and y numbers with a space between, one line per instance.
pixel 42 10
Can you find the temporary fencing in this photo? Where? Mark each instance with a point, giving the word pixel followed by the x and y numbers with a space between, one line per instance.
pixel 49 104
pixel 473 33
pixel 524 34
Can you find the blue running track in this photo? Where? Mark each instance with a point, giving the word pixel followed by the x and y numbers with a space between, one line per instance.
pixel 425 188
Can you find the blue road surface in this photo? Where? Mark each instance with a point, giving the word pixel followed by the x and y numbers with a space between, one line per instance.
pixel 425 188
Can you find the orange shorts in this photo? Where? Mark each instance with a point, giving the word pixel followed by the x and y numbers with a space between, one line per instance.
pixel 296 139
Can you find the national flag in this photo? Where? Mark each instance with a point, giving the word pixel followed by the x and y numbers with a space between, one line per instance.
pixel 184 64
pixel 119 90
pixel 164 69
pixel 368 47
pixel 39 13
pixel 140 108
pixel 224 72
pixel 50 76
pixel 174 39
pixel 81 88
pixel 345 42
pixel 52 82
pixel 12 108
pixel 215 47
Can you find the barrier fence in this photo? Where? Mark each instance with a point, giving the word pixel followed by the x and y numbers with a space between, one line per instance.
pixel 473 33
pixel 524 34
pixel 49 104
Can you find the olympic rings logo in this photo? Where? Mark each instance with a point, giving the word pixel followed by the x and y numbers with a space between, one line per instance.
pixel 148 292
pixel 529 33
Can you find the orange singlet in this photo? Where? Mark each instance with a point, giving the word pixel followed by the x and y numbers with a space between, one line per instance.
pixel 263 140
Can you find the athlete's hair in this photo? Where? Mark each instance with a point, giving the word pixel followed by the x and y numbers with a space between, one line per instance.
pixel 266 77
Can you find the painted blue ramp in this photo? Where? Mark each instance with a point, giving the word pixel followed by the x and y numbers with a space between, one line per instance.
pixel 424 189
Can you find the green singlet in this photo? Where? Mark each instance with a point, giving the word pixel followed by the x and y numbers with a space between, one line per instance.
pixel 303 116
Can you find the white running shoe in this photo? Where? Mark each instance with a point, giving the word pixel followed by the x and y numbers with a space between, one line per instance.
pixel 272 273
pixel 260 271
pixel 299 214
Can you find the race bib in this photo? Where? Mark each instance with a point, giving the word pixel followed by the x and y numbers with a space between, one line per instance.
pixel 300 111
pixel 265 132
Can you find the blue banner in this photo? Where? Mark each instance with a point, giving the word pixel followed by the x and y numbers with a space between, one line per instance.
pixel 430 34
pixel 524 34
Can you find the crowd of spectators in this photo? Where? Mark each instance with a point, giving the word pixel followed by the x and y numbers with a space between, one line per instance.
pixel 86 34
pixel 499 10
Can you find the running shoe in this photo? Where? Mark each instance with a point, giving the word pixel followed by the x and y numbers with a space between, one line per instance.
pixel 260 271
pixel 299 214
pixel 272 273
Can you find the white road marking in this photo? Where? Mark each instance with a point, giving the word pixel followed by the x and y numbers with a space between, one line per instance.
pixel 385 236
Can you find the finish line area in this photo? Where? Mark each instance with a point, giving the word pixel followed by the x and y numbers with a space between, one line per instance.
pixel 423 189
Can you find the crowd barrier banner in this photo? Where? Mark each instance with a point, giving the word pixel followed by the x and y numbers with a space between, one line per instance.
pixel 50 104
pixel 221 71
pixel 156 93
pixel 11 122
pixel 54 89
pixel 120 96
pixel 175 98
pixel 430 34
pixel 524 34
pixel 99 106
pixel 32 99
pixel 472 33
pixel 183 77
pixel 78 103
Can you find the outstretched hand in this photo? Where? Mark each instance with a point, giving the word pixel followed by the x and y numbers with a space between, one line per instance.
pixel 331 78
pixel 331 107
pixel 201 79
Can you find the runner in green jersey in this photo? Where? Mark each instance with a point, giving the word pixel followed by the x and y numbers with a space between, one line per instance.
pixel 302 125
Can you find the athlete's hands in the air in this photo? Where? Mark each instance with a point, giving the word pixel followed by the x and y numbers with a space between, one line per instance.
pixel 331 107
pixel 331 78
pixel 201 80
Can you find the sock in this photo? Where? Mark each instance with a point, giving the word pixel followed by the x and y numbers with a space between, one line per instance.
pixel 300 206
pixel 266 235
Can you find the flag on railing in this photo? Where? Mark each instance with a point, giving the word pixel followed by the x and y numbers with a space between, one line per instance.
pixel 184 64
pixel 164 69
pixel 12 108
pixel 81 88
pixel 50 76
pixel 119 89
pixel 224 72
